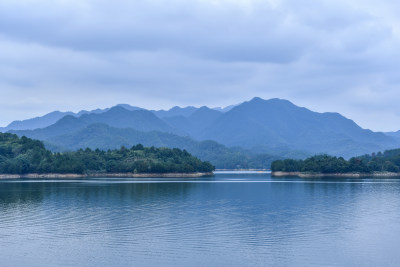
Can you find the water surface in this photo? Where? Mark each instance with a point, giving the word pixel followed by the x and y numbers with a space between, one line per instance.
pixel 232 219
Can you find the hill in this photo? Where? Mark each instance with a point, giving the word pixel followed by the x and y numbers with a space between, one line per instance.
pixel 52 117
pixel 105 137
pixel 380 163
pixel 24 155
pixel 393 134
pixel 277 124
pixel 175 111
pixel 37 122
pixel 273 127
pixel 194 124
pixel 118 117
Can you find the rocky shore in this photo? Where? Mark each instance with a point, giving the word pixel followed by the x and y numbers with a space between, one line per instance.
pixel 114 175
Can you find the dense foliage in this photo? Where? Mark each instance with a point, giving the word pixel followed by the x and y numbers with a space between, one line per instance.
pixel 24 155
pixel 389 161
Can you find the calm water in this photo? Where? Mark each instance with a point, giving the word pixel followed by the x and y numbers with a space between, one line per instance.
pixel 229 220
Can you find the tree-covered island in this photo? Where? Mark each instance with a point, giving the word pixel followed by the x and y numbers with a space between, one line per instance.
pixel 387 163
pixel 24 156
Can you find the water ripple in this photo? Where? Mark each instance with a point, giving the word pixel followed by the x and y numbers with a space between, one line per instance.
pixel 251 220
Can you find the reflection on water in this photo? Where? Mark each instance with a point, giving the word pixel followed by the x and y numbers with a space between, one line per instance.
pixel 232 219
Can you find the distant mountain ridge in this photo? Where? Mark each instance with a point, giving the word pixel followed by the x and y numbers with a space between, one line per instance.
pixel 273 126
pixel 46 120
pixel 194 124
pixel 37 122
pixel 393 134
pixel 118 117
pixel 279 123
pixel 52 117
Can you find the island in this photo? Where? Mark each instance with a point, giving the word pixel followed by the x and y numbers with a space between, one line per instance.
pixel 27 158
pixel 375 164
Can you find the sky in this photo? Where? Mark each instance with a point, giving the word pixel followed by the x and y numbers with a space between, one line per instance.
pixel 329 56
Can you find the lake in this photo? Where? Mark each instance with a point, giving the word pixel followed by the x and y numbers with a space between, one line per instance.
pixel 231 219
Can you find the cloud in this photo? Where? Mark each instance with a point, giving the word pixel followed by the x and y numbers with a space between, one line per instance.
pixel 219 32
pixel 327 55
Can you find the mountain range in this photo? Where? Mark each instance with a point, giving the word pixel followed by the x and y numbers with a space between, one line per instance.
pixel 249 134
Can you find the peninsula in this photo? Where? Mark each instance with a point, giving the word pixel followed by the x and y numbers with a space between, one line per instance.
pixel 27 158
pixel 376 164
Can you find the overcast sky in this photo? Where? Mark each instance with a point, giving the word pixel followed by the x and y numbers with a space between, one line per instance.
pixel 339 55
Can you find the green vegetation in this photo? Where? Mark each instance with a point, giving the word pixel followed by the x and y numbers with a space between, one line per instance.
pixel 24 155
pixel 250 135
pixel 104 137
pixel 389 161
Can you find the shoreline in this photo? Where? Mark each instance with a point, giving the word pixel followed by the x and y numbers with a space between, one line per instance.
pixel 241 170
pixel 113 175
pixel 352 174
